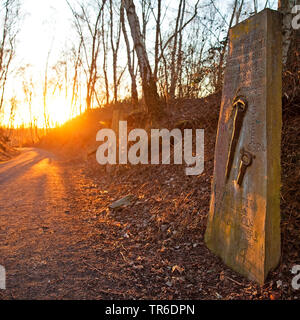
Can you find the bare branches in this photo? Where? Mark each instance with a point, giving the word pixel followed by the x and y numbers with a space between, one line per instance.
pixel 83 19
pixel 180 46
pixel 148 82
pixel 130 63
pixel 180 29
pixel 10 30
pixel 115 44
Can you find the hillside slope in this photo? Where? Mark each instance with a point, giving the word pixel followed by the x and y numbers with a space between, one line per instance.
pixel 169 211
pixel 6 151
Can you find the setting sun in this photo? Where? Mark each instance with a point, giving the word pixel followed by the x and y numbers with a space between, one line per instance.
pixel 59 111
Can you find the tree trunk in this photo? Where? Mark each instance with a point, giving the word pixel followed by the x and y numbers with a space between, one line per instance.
pixel 115 49
pixel 173 54
pixel 149 85
pixel 105 45
pixel 91 71
pixel 157 38
pixel 236 13
pixel 134 94
pixel 285 7
pixel 179 58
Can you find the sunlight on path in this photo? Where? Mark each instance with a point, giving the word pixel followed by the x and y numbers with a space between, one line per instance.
pixel 32 213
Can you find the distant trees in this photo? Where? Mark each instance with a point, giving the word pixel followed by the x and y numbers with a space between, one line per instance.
pixel 9 12
pixel 176 51
pixel 115 37
pixel 148 82
pixel 28 89
pixel 290 56
pixel 172 47
pixel 45 92
pixel 88 27
pixel 285 6
pixel 236 13
pixel 75 82
pixel 151 50
pixel 185 56
pixel 130 59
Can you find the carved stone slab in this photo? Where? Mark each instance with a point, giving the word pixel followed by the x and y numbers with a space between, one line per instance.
pixel 244 218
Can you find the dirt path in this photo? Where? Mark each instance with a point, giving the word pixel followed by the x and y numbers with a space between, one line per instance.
pixel 45 240
pixel 59 240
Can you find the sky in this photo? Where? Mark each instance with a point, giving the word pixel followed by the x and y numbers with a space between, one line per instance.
pixel 47 24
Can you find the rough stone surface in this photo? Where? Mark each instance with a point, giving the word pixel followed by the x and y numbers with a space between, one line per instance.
pixel 244 220
pixel 122 202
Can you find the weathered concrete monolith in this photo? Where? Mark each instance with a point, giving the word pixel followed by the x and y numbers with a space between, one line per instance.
pixel 244 218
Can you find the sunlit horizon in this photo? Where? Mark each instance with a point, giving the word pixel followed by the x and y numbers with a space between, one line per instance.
pixel 47 37
pixel 59 111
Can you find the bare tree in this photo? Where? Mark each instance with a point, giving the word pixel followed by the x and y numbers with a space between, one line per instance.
pixel 255 6
pixel 236 11
pixel 148 83
pixel 174 51
pixel 105 49
pixel 115 44
pixel 28 89
pixel 285 7
pixel 239 8
pixel 82 20
pixel 146 10
pixel 10 10
pixel 45 92
pixel 157 38
pixel 13 107
pixel 180 53
pixel 177 34
pixel 76 67
pixel 130 63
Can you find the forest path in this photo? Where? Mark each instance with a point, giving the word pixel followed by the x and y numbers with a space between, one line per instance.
pixel 44 240
pixel 60 240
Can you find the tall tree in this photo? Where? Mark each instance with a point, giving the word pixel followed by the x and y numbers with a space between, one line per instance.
pixel 236 11
pixel 177 34
pixel 174 51
pixel 75 81
pixel 82 20
pixel 105 49
pixel 285 6
pixel 115 44
pixel 45 91
pixel 152 101
pixel 130 63
pixel 10 11
pixel 157 38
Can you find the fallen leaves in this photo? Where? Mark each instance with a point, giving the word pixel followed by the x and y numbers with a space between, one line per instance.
pixel 178 269
pixel 222 277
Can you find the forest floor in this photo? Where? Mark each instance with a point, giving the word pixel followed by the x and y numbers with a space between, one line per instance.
pixel 6 151
pixel 62 241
